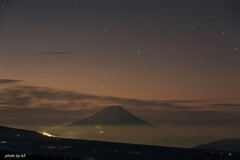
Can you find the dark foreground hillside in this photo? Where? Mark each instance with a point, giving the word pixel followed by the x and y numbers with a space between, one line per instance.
pixel 5 154
pixel 38 146
pixel 231 145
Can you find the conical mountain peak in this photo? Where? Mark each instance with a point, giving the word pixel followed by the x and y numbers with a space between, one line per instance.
pixel 113 115
pixel 115 108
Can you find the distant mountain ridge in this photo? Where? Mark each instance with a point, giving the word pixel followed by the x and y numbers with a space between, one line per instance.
pixel 113 115
pixel 224 145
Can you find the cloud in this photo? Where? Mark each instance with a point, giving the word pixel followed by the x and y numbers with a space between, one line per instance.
pixel 7 81
pixel 40 97
pixel 220 107
pixel 230 105
pixel 193 118
pixel 56 52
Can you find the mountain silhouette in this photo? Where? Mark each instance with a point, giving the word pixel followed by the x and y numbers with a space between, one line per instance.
pixel 113 124
pixel 224 145
pixel 113 115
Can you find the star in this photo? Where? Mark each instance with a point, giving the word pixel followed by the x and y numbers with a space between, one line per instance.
pixel 105 30
pixel 223 33
pixel 194 27
pixel 35 47
pixel 2 6
pixel 235 51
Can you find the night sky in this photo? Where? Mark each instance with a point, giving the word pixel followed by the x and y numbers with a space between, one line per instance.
pixel 175 63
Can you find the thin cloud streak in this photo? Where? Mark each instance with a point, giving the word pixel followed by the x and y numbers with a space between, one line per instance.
pixel 7 81
pixel 56 53
pixel 227 105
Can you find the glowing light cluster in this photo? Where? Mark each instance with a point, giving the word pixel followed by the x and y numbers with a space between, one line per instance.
pixel 101 132
pixel 47 134
pixel 3 142
pixel 99 129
